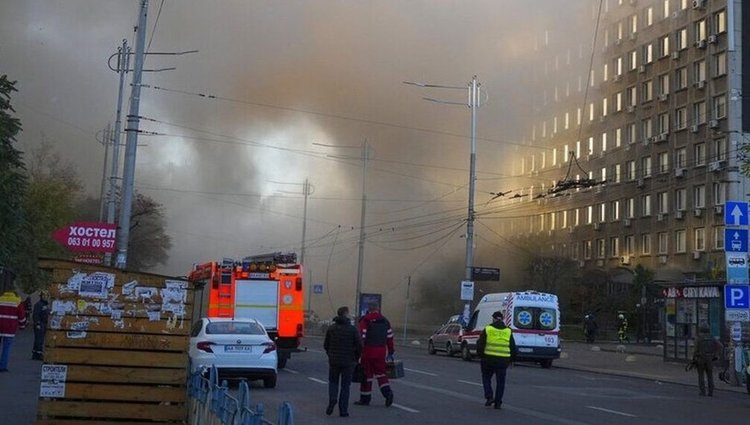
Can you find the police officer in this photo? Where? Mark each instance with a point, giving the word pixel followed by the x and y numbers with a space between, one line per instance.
pixel 497 349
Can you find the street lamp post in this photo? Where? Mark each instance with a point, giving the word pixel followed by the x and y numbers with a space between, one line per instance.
pixel 474 103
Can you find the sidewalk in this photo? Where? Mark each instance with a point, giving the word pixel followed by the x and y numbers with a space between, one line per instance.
pixel 19 387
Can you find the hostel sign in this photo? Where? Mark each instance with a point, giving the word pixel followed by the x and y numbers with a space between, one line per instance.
pixel 87 237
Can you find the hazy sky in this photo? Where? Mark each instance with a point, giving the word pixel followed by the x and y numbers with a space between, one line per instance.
pixel 289 74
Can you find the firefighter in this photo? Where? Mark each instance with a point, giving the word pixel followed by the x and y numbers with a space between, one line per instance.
pixel 497 348
pixel 377 337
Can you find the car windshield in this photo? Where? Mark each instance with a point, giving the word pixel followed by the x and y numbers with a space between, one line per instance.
pixel 535 318
pixel 234 328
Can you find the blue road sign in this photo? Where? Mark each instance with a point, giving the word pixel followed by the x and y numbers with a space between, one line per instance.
pixel 735 213
pixel 737 296
pixel 317 289
pixel 735 240
pixel 737 271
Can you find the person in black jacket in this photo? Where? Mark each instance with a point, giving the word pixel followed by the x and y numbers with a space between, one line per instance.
pixel 343 346
pixel 40 317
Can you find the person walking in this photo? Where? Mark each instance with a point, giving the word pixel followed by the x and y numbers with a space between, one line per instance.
pixel 496 347
pixel 622 329
pixel 12 316
pixel 707 351
pixel 343 346
pixel 590 328
pixel 39 317
pixel 377 337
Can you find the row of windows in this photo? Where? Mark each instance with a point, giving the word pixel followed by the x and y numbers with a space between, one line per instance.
pixel 700 157
pixel 717 24
pixel 617 246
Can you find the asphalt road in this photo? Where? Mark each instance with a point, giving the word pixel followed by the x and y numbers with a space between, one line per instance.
pixel 442 390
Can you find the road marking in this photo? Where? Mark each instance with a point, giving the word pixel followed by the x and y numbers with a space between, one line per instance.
pixel 314 351
pixel 469 382
pixel 320 381
pixel 422 372
pixel 290 370
pixel 615 412
pixel 408 409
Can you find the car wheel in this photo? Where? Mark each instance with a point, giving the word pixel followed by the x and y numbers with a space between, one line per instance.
pixel 270 382
pixel 281 363
pixel 431 347
pixel 449 349
pixel 546 363
pixel 465 353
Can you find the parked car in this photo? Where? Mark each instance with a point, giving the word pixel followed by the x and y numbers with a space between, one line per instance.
pixel 238 348
pixel 448 338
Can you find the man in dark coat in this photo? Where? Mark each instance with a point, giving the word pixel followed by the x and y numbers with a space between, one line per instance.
pixel 40 316
pixel 497 349
pixel 707 350
pixel 344 347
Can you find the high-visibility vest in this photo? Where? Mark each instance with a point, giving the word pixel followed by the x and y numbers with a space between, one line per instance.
pixel 498 342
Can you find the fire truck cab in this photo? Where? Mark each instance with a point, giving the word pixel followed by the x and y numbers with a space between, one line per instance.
pixel 265 287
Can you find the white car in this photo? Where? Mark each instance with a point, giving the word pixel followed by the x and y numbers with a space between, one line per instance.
pixel 238 348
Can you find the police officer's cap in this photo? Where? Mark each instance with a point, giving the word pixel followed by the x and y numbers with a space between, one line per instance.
pixel 498 315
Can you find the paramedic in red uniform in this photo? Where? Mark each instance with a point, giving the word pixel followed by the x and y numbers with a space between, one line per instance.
pixel 12 316
pixel 377 337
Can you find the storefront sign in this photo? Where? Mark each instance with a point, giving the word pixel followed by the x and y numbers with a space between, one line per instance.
pixel 692 292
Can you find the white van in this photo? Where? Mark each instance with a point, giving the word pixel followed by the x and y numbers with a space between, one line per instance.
pixel 534 318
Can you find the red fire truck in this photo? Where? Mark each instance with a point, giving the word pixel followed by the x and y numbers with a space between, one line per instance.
pixel 265 287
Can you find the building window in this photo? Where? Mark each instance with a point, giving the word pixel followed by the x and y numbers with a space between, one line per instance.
pixel 699 113
pixel 617 173
pixel 663 198
pixel 589 214
pixel 720 193
pixel 618 66
pixel 720 106
pixel 602 212
pixel 663 158
pixel 680 118
pixel 680 157
pixel 633 60
pixel 680 78
pixel 630 245
pixel 664 46
pixel 683 4
pixel 719 238
pixel 618 101
pixel 600 252
pixel 699 71
pixel 631 132
pixel 618 137
pixel 614 208
pixel 630 208
pixel 699 243
pixel 648 53
pixel 681 38
pixel 603 175
pixel 630 170
pixel 633 24
pixel 648 16
pixel 664 123
pixel 646 205
pixel 664 84
pixel 663 242
pixel 591 146
pixel 720 64
pixel 646 166
pixel 665 9
pixel 680 199
pixel 577 216
pixel 647 128
pixel 720 22
pixel 646 244
pixel 699 196
pixel 604 141
pixel 679 241
pixel 587 250
pixel 648 91
pixel 604 107
pixel 700 30
pixel 632 96
pixel 614 246
pixel 699 153
pixel 720 149
pixel 605 72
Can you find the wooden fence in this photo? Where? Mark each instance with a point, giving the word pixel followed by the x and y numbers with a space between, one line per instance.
pixel 116 348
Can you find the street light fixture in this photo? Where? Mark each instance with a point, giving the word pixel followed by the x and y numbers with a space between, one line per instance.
pixel 473 104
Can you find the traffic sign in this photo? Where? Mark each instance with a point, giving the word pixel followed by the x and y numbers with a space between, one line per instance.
pixel 485 273
pixel 467 290
pixel 735 213
pixel 737 315
pixel 317 289
pixel 735 240
pixel 736 296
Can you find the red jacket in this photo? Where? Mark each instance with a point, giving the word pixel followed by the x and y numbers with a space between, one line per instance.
pixel 12 314
pixel 381 334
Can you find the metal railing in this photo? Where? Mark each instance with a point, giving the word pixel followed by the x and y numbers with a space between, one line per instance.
pixel 211 404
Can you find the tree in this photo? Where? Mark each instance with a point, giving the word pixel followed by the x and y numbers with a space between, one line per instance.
pixel 14 226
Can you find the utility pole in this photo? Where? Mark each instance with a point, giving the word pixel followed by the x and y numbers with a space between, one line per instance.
pixel 105 141
pixel 123 234
pixel 361 255
pixel 123 63
pixel 406 308
pixel 306 192
pixel 474 103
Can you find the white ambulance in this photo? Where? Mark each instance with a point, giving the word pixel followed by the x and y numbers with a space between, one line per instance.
pixel 534 318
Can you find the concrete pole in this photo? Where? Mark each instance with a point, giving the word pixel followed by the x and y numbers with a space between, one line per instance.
pixel 123 234
pixel 102 190
pixel 306 192
pixel 406 308
pixel 473 104
pixel 123 63
pixel 361 256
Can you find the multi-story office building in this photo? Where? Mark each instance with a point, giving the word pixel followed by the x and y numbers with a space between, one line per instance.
pixel 658 123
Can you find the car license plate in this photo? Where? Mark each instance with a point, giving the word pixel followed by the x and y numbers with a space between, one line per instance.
pixel 525 350
pixel 238 348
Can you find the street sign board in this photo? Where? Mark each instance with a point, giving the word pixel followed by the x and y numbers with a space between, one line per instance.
pixel 318 289
pixel 485 274
pixel 737 268
pixel 467 290
pixel 736 296
pixel 736 332
pixel 735 213
pixel 737 315
pixel 735 240
pixel 87 237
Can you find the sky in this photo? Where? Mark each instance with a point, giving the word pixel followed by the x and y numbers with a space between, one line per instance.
pixel 287 78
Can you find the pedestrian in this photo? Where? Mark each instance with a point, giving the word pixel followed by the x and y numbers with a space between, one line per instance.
pixel 27 308
pixel 496 347
pixel 343 346
pixel 377 337
pixel 622 329
pixel 590 328
pixel 40 316
pixel 12 315
pixel 707 351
